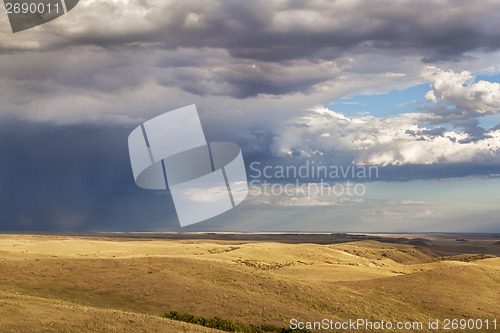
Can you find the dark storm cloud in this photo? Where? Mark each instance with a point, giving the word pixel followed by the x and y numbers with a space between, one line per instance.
pixel 204 72
pixel 238 49
pixel 245 79
pixel 280 31
pixel 232 36
pixel 73 178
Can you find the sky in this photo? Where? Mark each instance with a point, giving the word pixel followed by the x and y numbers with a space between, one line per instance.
pixel 409 87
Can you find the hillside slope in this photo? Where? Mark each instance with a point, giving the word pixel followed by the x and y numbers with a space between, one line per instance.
pixel 251 282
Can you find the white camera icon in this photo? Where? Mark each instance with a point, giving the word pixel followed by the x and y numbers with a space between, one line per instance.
pixel 204 178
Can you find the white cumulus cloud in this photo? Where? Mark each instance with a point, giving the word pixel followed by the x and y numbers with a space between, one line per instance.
pixel 381 141
pixel 459 91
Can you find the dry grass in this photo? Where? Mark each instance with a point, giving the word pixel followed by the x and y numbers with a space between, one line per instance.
pixel 21 313
pixel 124 284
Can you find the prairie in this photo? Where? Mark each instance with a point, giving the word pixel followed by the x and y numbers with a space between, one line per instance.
pixel 100 284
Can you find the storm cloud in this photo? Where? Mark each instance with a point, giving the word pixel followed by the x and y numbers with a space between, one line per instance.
pixel 73 178
pixel 262 74
pixel 280 31
pixel 242 49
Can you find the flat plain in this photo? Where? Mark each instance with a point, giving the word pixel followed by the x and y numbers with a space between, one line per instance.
pixel 123 282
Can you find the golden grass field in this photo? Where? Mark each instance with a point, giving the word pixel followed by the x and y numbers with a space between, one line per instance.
pixel 120 284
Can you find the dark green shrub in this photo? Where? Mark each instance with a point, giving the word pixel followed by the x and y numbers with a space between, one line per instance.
pixel 227 324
